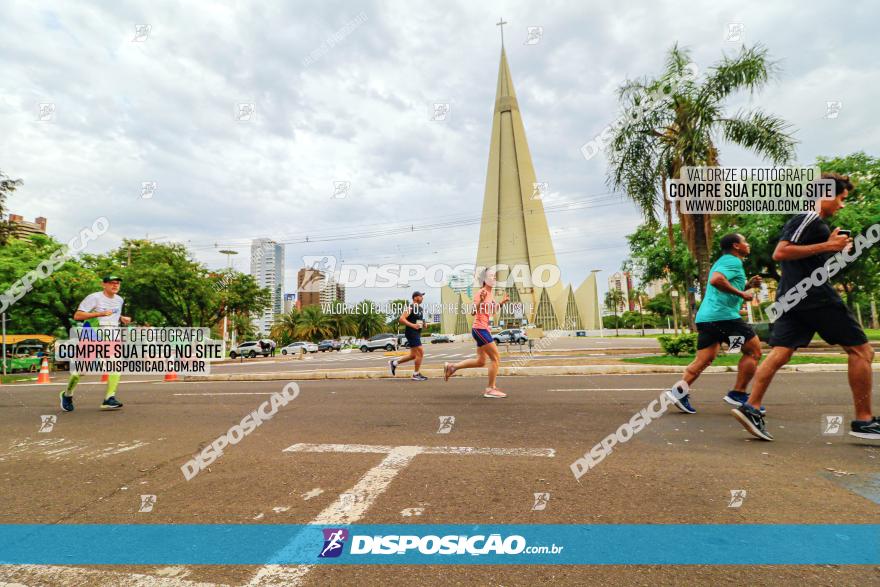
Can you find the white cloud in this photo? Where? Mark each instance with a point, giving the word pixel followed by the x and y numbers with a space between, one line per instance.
pixel 163 110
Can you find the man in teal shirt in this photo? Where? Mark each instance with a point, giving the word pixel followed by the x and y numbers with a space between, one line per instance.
pixel 719 321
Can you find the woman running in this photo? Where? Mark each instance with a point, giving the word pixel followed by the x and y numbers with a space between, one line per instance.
pixel 485 307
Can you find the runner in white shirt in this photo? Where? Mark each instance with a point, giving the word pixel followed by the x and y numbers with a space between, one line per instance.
pixel 106 307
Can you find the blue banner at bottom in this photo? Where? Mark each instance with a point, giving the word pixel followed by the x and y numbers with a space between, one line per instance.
pixel 539 544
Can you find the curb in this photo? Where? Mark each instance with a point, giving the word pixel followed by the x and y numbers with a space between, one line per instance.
pixel 503 372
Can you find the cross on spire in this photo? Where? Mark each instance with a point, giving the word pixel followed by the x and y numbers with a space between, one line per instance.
pixel 501 22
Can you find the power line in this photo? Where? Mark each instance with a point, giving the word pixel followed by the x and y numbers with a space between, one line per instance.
pixel 410 228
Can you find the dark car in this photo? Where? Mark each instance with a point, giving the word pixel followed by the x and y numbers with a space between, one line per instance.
pixel 329 345
pixel 440 338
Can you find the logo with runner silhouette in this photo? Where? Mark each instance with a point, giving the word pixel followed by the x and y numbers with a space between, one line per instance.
pixel 735 343
pixel 334 541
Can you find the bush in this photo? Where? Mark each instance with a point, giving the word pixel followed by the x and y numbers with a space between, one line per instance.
pixel 677 345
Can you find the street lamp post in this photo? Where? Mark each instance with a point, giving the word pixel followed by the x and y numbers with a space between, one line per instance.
pixel 228 254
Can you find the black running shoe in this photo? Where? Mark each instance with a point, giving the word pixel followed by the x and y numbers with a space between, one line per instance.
pixel 111 403
pixel 683 403
pixel 66 402
pixel 392 365
pixel 738 398
pixel 419 377
pixel 753 421
pixel 869 430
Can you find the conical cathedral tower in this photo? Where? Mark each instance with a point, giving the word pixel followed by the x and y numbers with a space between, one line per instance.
pixel 514 231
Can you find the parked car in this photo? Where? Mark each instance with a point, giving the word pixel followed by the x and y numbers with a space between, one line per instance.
pixel 384 341
pixel 249 349
pixel 329 345
pixel 299 347
pixel 440 338
pixel 515 335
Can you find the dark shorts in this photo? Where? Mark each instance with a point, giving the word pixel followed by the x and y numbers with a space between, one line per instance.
pixel 482 336
pixel 413 339
pixel 733 333
pixel 835 323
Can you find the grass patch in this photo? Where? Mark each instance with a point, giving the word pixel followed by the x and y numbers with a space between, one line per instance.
pixel 730 360
pixel 873 333
pixel 12 378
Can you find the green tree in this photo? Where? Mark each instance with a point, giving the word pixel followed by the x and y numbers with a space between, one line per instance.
pixel 613 299
pixel 49 305
pixel 343 324
pixel 676 120
pixel 314 324
pixel 368 320
pixel 860 279
pixel 164 286
pixel 284 330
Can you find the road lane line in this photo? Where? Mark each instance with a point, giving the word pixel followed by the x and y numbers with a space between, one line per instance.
pixel 365 492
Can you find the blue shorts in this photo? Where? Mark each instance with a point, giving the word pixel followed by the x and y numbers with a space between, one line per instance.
pixel 413 339
pixel 482 336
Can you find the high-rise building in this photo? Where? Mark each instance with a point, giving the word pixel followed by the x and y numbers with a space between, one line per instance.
pixel 514 232
pixel 267 268
pixel 622 282
pixel 24 229
pixel 332 292
pixel 309 285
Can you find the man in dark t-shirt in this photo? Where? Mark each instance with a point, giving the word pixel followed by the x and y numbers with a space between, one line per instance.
pixel 807 304
pixel 413 320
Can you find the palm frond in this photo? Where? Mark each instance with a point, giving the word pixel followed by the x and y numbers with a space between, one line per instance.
pixel 749 70
pixel 765 134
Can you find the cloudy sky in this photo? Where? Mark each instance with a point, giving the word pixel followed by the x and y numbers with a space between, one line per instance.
pixel 344 92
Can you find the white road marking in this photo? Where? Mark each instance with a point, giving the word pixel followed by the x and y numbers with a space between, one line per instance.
pixel 313 493
pixel 13 386
pixel 364 492
pixel 269 392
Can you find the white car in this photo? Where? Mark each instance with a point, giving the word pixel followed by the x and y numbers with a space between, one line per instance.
pixel 299 347
pixel 250 349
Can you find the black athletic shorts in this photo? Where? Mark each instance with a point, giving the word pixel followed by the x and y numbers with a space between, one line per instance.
pixel 413 339
pixel 733 333
pixel 835 323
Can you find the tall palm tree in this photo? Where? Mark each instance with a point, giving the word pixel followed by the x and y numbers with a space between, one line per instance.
pixel 637 297
pixel 368 320
pixel 677 120
pixel 284 330
pixel 314 324
pixel 613 299
pixel 343 324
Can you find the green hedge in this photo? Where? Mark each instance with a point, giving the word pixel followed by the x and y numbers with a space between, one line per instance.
pixel 683 344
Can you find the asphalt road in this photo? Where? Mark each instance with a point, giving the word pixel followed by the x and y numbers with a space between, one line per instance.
pixel 93 466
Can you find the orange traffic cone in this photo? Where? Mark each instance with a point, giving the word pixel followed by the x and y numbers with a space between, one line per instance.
pixel 43 377
pixel 105 378
pixel 171 376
